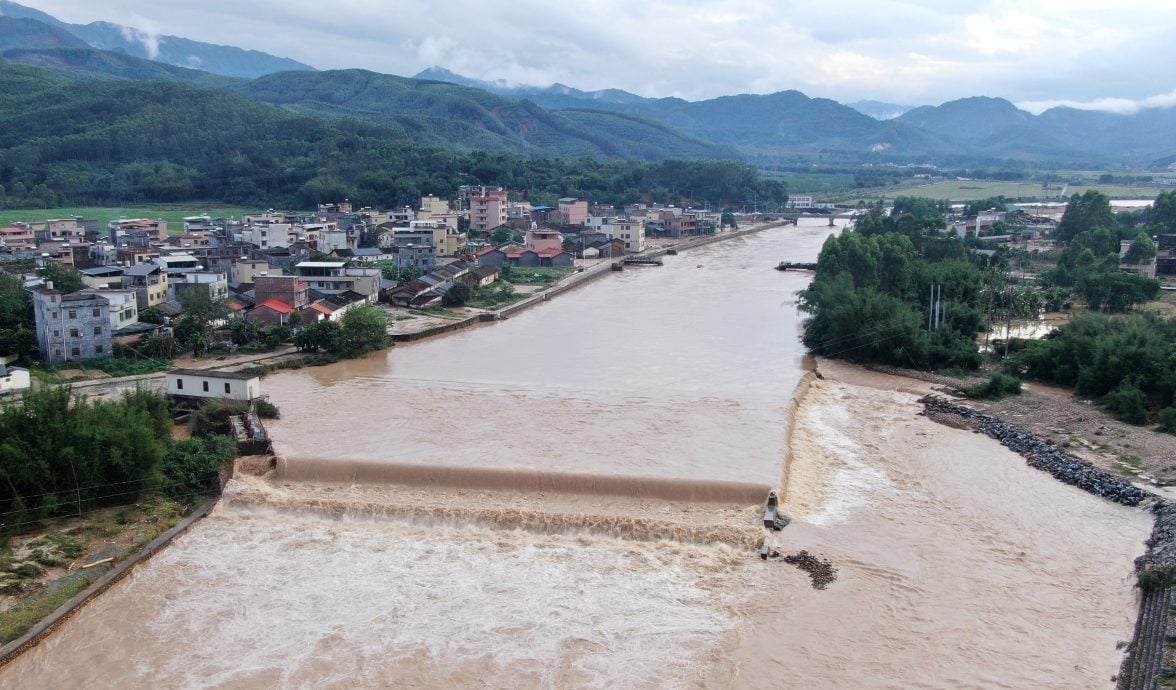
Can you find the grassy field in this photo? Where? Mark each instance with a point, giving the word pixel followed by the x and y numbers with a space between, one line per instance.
pixel 964 190
pixel 173 213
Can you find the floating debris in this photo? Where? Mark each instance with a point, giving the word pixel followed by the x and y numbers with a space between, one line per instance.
pixel 821 571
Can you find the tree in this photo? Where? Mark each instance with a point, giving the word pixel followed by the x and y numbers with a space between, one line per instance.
pixel 364 329
pixel 728 219
pixel 501 235
pixel 152 315
pixel 457 295
pixel 320 335
pixel 64 278
pixel 195 327
pixel 1162 216
pixel 1142 250
pixel 16 307
pixel 1086 212
pixel 407 275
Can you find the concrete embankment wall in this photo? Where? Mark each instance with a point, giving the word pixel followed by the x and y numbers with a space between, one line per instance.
pixel 794 405
pixel 48 624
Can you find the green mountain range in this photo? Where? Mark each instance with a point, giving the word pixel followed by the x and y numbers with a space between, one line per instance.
pixel 443 109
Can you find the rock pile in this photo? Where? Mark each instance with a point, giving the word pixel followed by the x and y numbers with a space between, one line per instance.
pixel 821 571
pixel 1042 454
pixel 1161 546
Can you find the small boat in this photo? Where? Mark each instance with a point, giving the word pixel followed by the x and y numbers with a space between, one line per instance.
pixel 617 266
pixel 671 252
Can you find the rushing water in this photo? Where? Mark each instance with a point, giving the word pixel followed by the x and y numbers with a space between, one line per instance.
pixel 672 373
pixel 958 565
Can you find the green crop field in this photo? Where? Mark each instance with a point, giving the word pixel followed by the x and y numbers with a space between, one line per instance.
pixel 173 213
pixel 965 190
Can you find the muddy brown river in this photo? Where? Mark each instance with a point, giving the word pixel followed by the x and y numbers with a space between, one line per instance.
pixel 484 509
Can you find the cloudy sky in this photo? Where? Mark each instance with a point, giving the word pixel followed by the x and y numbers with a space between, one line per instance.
pixel 1093 53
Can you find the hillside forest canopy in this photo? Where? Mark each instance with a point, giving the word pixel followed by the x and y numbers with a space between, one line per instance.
pixel 116 143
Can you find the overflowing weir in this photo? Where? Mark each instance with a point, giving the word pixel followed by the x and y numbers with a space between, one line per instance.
pixel 573 498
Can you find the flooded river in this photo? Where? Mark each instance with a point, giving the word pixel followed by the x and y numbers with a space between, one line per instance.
pixel 538 464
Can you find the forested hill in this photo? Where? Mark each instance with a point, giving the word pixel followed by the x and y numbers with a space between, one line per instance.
pixel 118 141
pixel 465 118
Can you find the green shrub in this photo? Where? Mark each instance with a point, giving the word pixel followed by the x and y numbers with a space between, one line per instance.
pixel 1159 578
pixel 213 418
pixel 1128 402
pixel 998 387
pixel 266 409
pixel 1168 420
pixel 191 466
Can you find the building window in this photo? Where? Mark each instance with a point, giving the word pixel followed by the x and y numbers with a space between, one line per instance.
pixel 97 349
pixel 96 313
pixel 179 384
pixel 75 352
pixel 56 333
pixel 97 330
pixel 227 389
pixel 206 386
pixel 73 333
pixel 73 314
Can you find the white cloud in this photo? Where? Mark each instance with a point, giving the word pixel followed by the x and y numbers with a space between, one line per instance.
pixel 1124 106
pixel 906 51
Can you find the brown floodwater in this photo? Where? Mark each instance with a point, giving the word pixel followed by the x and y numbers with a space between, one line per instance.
pixel 958 566
pixel 677 375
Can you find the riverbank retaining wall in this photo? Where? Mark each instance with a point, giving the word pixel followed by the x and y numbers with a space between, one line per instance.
pixel 48 624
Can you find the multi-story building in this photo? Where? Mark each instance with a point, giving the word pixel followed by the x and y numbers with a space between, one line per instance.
pixel 446 240
pixel 124 308
pixel 213 285
pixel 135 256
pixel 631 232
pixel 541 239
pixel 487 209
pixel 249 270
pixel 333 277
pixel 71 327
pixel 433 206
pixel 102 276
pixel 149 282
pixel 419 256
pixel 290 290
pixel 19 236
pixel 573 211
pixel 137 226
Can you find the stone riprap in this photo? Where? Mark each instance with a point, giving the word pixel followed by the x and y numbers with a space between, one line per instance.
pixel 1041 453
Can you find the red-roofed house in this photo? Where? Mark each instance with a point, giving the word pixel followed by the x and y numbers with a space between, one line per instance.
pixel 544 238
pixel 555 257
pixel 272 311
pixel 18 238
pixel 520 256
pixel 315 312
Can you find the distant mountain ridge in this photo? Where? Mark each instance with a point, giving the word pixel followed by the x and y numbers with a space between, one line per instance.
pixel 173 50
pixel 439 107
pixel 880 110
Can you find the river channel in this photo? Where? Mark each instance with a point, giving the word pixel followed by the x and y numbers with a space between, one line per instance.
pixel 660 397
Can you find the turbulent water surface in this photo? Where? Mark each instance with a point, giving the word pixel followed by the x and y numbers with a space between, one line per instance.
pixel 958 566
